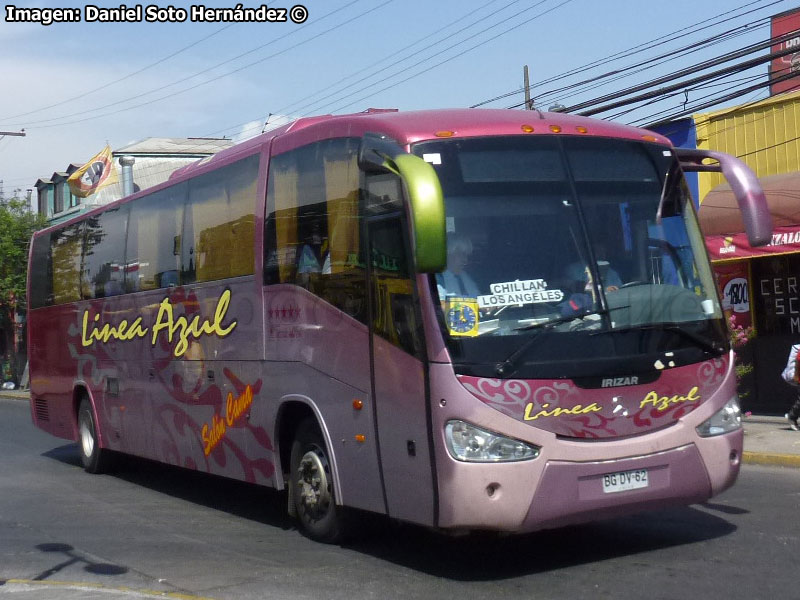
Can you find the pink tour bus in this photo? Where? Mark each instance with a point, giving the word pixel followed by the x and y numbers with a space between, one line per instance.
pixel 465 319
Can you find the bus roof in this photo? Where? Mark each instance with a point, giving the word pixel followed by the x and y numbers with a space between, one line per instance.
pixel 414 126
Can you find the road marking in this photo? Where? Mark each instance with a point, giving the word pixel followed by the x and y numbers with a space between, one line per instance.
pixel 19 585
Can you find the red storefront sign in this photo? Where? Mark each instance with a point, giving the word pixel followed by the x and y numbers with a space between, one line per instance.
pixel 729 247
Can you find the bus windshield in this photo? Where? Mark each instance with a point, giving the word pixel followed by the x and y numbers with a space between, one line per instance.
pixel 591 245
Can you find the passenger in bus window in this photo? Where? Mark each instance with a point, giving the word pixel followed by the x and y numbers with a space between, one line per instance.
pixel 455 281
pixel 311 256
pixel 578 271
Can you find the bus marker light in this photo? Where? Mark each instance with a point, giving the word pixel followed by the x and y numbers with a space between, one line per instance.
pixel 555 128
pixel 361 438
pixel 444 133
pixel 581 129
pixel 357 404
pixel 527 128
pixel 649 138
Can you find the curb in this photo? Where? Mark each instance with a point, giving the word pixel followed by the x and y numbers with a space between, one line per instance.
pixel 766 458
pixel 12 396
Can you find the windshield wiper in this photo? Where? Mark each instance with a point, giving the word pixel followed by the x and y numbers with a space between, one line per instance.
pixel 700 341
pixel 509 365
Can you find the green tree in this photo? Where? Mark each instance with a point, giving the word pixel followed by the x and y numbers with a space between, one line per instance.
pixel 17 224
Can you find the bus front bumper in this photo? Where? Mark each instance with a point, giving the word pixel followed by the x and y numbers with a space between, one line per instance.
pixel 532 495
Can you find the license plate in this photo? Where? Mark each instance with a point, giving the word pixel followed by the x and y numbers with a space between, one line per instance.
pixel 622 481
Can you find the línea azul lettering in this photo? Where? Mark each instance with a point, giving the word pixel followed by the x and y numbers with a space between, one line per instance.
pixel 184 329
pixel 181 328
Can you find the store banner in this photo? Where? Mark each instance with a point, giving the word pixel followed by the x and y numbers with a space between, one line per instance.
pixel 729 247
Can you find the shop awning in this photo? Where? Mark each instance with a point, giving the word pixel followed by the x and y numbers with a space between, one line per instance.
pixel 721 221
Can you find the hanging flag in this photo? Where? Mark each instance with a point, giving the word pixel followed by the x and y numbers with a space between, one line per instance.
pixel 94 175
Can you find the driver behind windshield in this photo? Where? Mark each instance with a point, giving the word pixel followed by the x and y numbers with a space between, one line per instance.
pixel 455 281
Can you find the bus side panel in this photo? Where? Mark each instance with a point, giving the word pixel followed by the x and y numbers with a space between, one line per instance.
pixel 55 352
pixel 116 375
pixel 322 359
pixel 199 390
pixel 402 419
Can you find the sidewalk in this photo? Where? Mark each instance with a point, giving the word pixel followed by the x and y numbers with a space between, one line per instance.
pixel 770 441
pixel 767 440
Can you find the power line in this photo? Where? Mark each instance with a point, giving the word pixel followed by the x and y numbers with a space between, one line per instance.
pixel 640 48
pixel 36 124
pixel 478 45
pixel 737 85
pixel 727 98
pixel 128 76
pixel 723 80
pixel 685 72
pixel 342 88
pixel 657 61
pixel 418 63
pixel 660 92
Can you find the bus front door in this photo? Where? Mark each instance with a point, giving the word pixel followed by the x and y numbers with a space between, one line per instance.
pixel 398 373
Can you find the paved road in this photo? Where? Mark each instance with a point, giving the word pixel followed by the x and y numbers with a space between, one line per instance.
pixel 150 530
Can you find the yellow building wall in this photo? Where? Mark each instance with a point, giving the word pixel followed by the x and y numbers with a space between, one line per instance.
pixel 765 135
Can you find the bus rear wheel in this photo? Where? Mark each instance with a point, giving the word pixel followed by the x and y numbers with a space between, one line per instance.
pixel 94 458
pixel 311 479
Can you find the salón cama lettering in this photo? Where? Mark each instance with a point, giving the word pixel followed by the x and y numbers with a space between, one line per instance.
pixel 181 328
pixel 213 433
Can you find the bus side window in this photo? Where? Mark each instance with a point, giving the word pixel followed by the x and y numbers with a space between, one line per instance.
pixel 219 225
pixel 41 272
pixel 66 247
pixel 395 316
pixel 312 230
pixel 104 252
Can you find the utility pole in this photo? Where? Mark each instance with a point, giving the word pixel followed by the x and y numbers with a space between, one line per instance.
pixel 528 101
pixel 2 135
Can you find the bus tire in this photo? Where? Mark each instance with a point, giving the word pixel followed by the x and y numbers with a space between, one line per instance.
pixel 94 458
pixel 313 493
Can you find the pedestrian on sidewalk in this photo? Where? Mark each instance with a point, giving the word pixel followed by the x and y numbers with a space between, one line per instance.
pixel 790 375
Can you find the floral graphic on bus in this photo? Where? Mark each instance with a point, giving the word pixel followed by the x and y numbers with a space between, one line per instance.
pixel 564 408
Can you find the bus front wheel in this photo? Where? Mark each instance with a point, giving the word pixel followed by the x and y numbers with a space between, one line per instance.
pixel 311 478
pixel 94 458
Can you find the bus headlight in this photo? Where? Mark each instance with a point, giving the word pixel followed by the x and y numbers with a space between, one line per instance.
pixel 473 444
pixel 727 419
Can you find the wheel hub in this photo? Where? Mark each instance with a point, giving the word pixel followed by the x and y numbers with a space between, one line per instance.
pixel 87 440
pixel 312 484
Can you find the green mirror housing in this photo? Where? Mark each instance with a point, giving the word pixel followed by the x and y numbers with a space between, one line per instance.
pixel 424 195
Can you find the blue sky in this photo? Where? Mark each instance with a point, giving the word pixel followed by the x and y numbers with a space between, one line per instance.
pixel 76 86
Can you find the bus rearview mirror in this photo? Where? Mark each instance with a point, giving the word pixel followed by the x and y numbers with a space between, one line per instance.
pixel 744 184
pixel 379 154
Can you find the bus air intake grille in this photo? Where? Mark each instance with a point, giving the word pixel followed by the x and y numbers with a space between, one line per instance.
pixel 41 409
